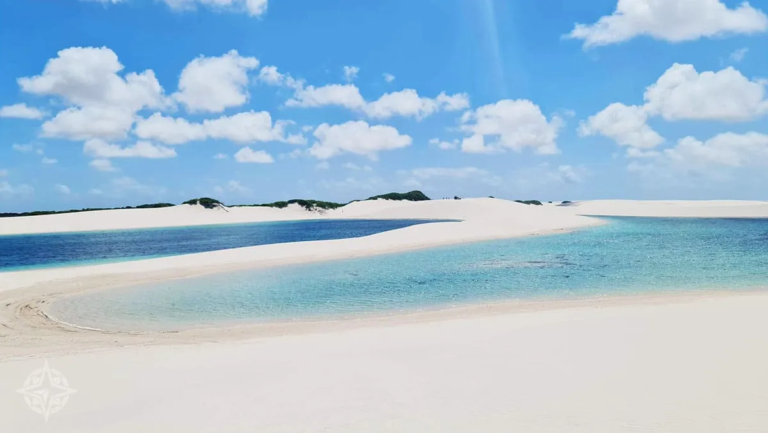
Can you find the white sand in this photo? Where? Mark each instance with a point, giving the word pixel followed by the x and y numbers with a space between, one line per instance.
pixel 681 364
pixel 697 209
pixel 185 215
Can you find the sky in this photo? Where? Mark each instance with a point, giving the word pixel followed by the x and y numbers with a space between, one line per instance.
pixel 107 103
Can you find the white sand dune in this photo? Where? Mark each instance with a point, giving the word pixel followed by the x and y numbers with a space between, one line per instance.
pixel 680 208
pixel 185 215
pixel 693 363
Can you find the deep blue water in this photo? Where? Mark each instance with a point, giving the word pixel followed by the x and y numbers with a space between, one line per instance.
pixel 68 249
pixel 630 255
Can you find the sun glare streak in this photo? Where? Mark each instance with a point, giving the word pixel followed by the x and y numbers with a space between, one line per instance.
pixel 493 45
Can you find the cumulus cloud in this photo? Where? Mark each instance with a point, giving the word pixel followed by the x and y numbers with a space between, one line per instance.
pixel 350 73
pixel 21 111
pixel 405 103
pixel 254 8
pixel 88 77
pixel 739 54
pixel 101 149
pixel 108 123
pixel 626 125
pixel 248 155
pixel 671 20
pixel 358 138
pixel 682 93
pixel 213 84
pixel 444 145
pixel 102 103
pixel 341 95
pixel 62 189
pixel 246 127
pixel 714 159
pixel 408 103
pixel 723 150
pixel 510 125
pixel 388 77
pixel 102 165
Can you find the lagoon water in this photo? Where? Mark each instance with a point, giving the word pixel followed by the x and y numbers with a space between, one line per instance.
pixel 22 252
pixel 629 255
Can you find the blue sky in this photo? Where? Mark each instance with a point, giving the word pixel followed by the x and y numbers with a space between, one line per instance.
pixel 123 102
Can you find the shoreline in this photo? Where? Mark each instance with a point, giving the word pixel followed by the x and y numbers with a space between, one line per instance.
pixel 26 296
pixel 84 339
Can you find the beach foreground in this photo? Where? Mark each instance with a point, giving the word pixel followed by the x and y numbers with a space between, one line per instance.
pixel 693 362
pixel 681 365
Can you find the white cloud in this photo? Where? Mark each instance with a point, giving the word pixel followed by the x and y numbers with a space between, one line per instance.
pixel 24 148
pixel 389 77
pixel 49 161
pixel 21 111
pixel 103 104
pixel 271 76
pixel 512 125
pixel 100 149
pixel 355 167
pixel 350 73
pixel 213 84
pixel 342 95
pixel 408 103
pixel 357 138
pixel 220 156
pixel 6 189
pixel 723 150
pixel 569 174
pixel 739 54
pixel 248 155
pixel 681 93
pixel 169 130
pixel 444 145
pixel 626 125
pixel 87 77
pixel 102 165
pixel 254 8
pixel 89 122
pixel 671 20
pixel 62 189
pixel 246 127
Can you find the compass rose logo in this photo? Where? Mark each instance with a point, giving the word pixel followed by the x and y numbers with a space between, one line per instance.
pixel 46 391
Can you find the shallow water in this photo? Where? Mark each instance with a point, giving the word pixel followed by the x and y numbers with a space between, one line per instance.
pixel 629 255
pixel 22 252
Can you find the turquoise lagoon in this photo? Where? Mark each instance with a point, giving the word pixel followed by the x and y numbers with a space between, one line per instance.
pixel 626 256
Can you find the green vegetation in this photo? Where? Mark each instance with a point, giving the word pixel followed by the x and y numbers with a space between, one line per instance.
pixel 57 212
pixel 410 196
pixel 530 202
pixel 309 205
pixel 566 203
pixel 206 202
